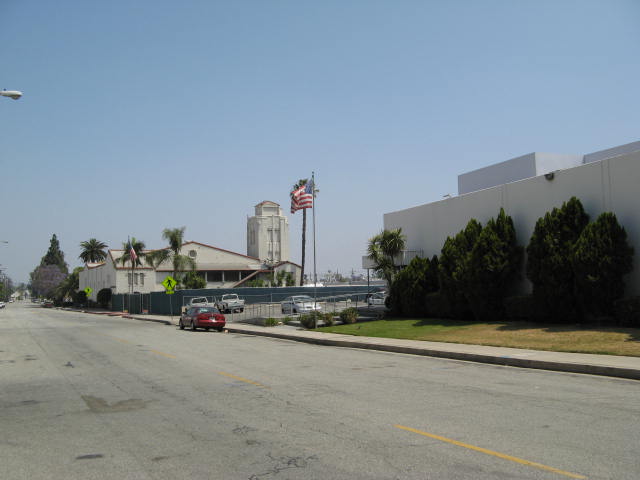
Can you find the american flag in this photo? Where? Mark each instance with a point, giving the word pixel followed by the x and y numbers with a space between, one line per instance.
pixel 302 197
pixel 132 253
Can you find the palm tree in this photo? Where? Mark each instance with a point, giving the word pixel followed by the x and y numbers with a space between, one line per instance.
pixel 138 247
pixel 179 262
pixel 382 250
pixel 175 238
pixel 93 251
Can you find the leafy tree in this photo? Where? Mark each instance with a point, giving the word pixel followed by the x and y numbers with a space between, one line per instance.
pixel 6 288
pixel 67 287
pixel 549 260
pixel 194 280
pixel 93 251
pixel 55 256
pixel 383 248
pixel 493 267
pixel 602 257
pixel 45 279
pixel 289 280
pixel 453 268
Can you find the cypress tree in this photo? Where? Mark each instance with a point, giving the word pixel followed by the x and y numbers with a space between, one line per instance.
pixel 601 258
pixel 493 267
pixel 55 256
pixel 549 261
pixel 453 266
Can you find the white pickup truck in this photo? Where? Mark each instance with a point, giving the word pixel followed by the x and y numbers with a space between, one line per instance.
pixel 230 303
pixel 197 302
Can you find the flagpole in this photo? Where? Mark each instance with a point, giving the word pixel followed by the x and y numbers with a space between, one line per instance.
pixel 315 276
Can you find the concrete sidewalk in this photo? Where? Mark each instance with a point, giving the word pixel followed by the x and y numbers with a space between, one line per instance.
pixel 608 365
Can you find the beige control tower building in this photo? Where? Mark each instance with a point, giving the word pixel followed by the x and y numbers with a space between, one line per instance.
pixel 268 233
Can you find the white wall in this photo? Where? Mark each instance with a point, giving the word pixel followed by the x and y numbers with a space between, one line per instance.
pixel 609 185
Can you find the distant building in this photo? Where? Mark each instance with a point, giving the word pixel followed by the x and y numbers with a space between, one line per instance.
pixel 220 268
pixel 268 234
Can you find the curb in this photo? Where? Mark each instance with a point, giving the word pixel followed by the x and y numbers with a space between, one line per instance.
pixel 602 370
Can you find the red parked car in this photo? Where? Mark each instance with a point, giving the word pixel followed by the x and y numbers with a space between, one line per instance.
pixel 202 317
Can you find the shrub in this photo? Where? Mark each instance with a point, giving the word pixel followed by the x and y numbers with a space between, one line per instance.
pixel 520 307
pixel 194 280
pixel 549 261
pixel 411 285
pixel 80 297
pixel 104 297
pixel 453 267
pixel 627 312
pixel 349 315
pixel 310 320
pixel 287 320
pixel 271 322
pixel 492 268
pixel 600 260
pixel 328 319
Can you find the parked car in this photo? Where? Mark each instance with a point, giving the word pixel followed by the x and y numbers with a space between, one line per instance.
pixel 2 304
pixel 202 317
pixel 299 304
pixel 197 302
pixel 230 302
pixel 376 298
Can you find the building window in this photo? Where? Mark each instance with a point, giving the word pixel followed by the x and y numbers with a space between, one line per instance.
pixel 142 279
pixel 193 254
pixel 130 278
pixel 214 276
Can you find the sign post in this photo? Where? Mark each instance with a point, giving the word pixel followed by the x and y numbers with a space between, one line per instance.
pixel 169 283
pixel 88 291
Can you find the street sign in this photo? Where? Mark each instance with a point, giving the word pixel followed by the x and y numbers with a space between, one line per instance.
pixel 88 291
pixel 169 283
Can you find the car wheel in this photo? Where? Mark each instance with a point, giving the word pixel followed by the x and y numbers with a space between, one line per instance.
pixel 181 325
pixel 207 329
pixel 295 311
pixel 193 326
pixel 283 312
pixel 219 329
pixel 241 310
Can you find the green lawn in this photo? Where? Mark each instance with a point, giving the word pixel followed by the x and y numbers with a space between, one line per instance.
pixel 559 338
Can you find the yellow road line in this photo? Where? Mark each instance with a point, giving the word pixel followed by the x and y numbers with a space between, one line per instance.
pixel 491 452
pixel 241 379
pixel 157 352
pixel 121 340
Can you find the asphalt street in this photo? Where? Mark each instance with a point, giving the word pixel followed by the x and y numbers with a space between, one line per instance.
pixel 86 396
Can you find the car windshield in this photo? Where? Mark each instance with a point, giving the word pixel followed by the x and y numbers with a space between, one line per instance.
pixel 303 299
pixel 208 310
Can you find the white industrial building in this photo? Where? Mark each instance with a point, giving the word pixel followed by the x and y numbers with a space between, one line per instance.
pixel 527 187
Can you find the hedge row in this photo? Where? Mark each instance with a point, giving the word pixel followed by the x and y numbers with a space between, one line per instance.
pixel 576 269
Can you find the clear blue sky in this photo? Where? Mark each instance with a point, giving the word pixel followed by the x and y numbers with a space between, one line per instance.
pixel 143 115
